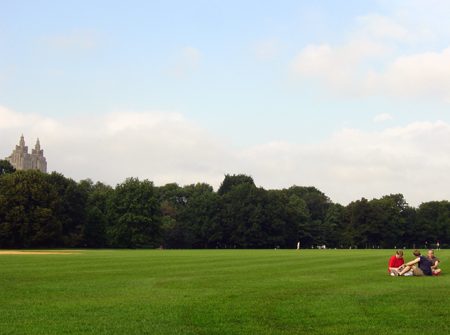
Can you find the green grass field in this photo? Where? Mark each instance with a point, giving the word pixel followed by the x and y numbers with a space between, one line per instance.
pixel 219 292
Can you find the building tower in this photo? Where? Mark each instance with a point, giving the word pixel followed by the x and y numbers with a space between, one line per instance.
pixel 20 159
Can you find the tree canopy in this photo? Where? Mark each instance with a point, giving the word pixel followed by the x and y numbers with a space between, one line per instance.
pixel 43 210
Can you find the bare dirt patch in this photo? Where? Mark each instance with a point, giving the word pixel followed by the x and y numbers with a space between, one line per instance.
pixel 9 252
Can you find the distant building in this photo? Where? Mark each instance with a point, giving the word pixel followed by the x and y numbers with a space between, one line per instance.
pixel 20 159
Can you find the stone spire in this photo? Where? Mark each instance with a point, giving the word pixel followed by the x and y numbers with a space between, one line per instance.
pixel 37 147
pixel 22 148
pixel 20 159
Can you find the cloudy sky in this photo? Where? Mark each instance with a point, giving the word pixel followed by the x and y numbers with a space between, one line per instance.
pixel 350 97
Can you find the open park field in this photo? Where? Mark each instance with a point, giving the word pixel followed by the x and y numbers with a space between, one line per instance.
pixel 218 292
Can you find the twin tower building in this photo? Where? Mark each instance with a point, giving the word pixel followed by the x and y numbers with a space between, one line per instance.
pixel 20 159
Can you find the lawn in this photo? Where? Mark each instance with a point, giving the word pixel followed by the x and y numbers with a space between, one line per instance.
pixel 218 292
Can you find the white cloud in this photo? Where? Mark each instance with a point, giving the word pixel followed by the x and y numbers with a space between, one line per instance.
pixel 337 67
pixel 165 147
pixel 382 27
pixel 423 75
pixel 7 72
pixel 267 49
pixel 78 41
pixel 188 59
pixel 10 119
pixel 371 63
pixel 191 56
pixel 160 146
pixel 353 164
pixel 382 117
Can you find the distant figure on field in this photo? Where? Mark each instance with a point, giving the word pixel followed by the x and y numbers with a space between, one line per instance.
pixel 434 263
pixel 426 245
pixel 396 261
pixel 298 246
pixel 437 246
pixel 421 266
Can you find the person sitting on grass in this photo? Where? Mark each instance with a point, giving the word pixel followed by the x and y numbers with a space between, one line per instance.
pixel 421 266
pixel 434 263
pixel 396 261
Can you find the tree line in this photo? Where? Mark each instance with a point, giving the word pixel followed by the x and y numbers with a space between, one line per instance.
pixel 50 210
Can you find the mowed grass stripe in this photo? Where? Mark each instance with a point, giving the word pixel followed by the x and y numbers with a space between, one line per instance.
pixel 218 292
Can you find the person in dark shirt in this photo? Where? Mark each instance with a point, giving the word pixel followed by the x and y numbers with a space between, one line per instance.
pixel 421 266
pixel 434 263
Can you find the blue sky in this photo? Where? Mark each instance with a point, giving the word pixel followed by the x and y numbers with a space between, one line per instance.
pixel 352 98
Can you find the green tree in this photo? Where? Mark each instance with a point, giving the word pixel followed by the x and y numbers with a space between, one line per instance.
pixel 256 218
pixel 230 181
pixel 366 222
pixel 203 216
pixel 170 194
pixel 392 228
pixel 73 199
pixel 96 223
pixel 316 201
pixel 332 225
pixel 6 167
pixel 175 236
pixel 433 222
pixel 302 219
pixel 409 228
pixel 284 225
pixel 94 230
pixel 29 209
pixel 173 197
pixel 134 214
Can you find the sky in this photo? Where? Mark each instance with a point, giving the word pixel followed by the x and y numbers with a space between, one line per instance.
pixel 350 97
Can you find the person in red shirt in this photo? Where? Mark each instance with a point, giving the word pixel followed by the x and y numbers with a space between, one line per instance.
pixel 396 261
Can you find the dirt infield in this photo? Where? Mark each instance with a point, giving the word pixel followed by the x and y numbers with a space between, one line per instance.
pixel 9 252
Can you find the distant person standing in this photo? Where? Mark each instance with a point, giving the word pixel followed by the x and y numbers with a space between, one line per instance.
pixel 426 245
pixel 437 246
pixel 298 246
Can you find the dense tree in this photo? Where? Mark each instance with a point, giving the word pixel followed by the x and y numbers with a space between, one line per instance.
pixel 242 216
pixel 302 220
pixel 433 222
pixel 392 228
pixel 171 194
pixel 96 223
pixel 410 227
pixel 172 197
pixel 73 199
pixel 316 201
pixel 29 207
pixel 234 180
pixel 43 210
pixel 202 215
pixel 175 236
pixel 365 224
pixel 332 225
pixel 6 167
pixel 134 214
pixel 284 222
pixel 94 230
pixel 256 218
